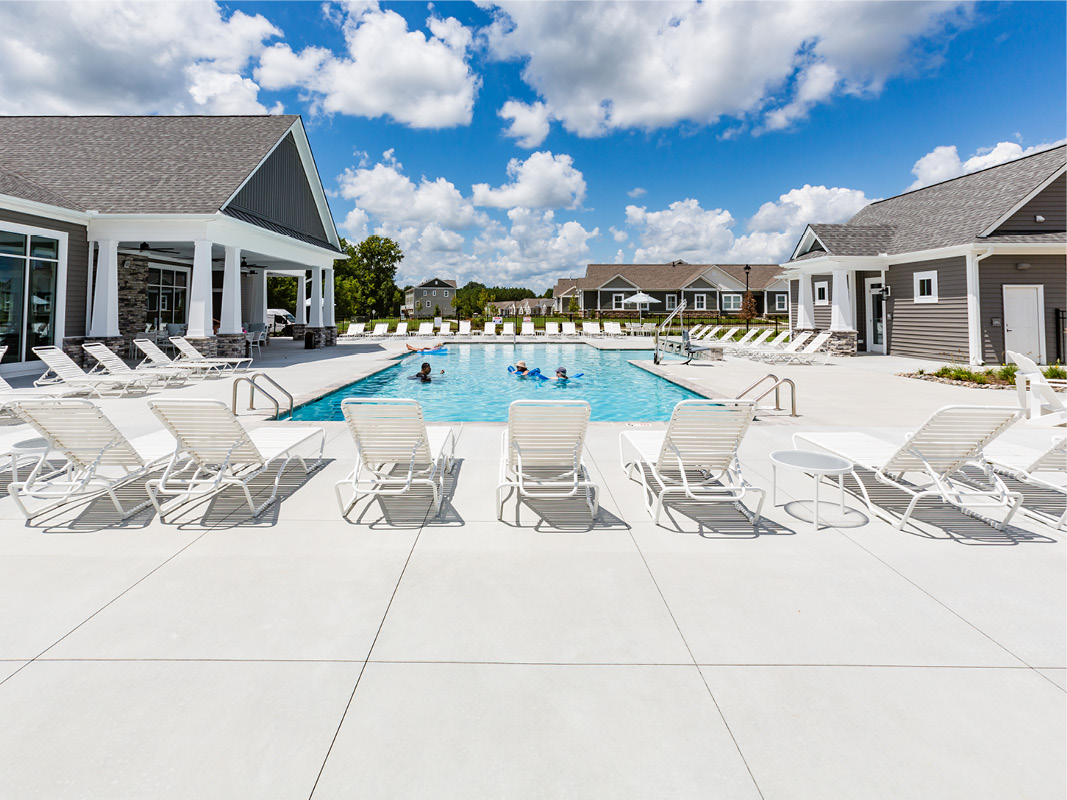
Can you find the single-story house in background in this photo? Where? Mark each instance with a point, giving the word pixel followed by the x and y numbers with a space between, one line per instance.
pixel 718 288
pixel 111 227
pixel 528 307
pixel 431 298
pixel 962 270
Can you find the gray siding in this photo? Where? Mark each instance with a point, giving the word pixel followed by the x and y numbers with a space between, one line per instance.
pixel 278 193
pixel 996 271
pixel 77 264
pixel 794 288
pixel 929 330
pixel 1050 203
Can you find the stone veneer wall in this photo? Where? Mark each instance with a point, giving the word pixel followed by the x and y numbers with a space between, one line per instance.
pixel 299 331
pixel 208 346
pixel 133 296
pixel 72 346
pixel 320 336
pixel 331 335
pixel 842 343
pixel 230 345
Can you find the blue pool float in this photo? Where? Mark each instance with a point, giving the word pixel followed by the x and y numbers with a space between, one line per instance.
pixel 530 373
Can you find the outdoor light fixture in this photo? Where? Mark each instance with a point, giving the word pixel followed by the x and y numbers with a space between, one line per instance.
pixel 885 290
pixel 1039 218
pixel 144 246
pixel 1023 265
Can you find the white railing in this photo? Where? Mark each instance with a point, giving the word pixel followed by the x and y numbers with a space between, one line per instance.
pixel 665 326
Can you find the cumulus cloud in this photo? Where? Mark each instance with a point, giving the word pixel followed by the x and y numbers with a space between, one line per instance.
pixel 535 249
pixel 636 192
pixel 129 58
pixel 421 81
pixel 529 122
pixel 769 63
pixel 685 230
pixel 943 163
pixel 617 235
pixel 541 181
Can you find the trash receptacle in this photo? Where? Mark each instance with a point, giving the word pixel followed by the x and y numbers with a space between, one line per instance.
pixel 309 341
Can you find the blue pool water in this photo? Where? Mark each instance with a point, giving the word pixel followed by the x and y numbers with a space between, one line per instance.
pixel 476 385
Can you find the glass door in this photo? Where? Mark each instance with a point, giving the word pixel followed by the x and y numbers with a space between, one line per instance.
pixel 28 271
pixel 875 316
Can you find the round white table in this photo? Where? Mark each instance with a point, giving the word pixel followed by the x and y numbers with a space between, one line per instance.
pixel 28 448
pixel 814 463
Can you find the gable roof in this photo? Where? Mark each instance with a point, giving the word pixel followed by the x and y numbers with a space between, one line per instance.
pixel 759 277
pixel 947 214
pixel 643 276
pixel 15 185
pixel 435 282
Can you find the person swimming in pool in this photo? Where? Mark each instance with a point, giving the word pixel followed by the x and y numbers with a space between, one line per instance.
pixel 424 373
pixel 561 374
pixel 520 369
pixel 437 346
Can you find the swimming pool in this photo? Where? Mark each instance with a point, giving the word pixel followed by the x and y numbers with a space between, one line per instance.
pixel 476 385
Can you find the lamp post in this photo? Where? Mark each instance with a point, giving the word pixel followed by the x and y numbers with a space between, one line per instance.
pixel 748 269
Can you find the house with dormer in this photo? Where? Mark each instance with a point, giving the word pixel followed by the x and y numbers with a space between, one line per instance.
pixel 117 227
pixel 963 270
pixel 435 297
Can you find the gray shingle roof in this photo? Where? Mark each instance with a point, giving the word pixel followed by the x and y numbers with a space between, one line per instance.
pixel 855 240
pixel 13 184
pixel 142 165
pixel 644 276
pixel 759 277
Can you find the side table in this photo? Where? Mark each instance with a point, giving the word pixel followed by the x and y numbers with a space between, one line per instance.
pixel 814 463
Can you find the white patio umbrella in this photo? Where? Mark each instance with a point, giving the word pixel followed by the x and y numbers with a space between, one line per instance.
pixel 638 299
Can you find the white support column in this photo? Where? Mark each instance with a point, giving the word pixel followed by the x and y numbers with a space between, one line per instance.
pixel 105 322
pixel 302 300
pixel 853 324
pixel 327 301
pixel 805 304
pixel 200 321
pixel 89 287
pixel 974 311
pixel 316 298
pixel 230 317
pixel 257 311
pixel 841 303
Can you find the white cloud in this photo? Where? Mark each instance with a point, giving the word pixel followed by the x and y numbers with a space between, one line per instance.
pixel 685 230
pixel 529 122
pixel 703 61
pixel 541 181
pixel 617 235
pixel 943 163
pixel 129 58
pixel 421 81
pixel 636 192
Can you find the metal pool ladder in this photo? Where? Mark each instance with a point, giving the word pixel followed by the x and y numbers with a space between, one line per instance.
pixel 664 328
pixel 253 386
pixel 776 388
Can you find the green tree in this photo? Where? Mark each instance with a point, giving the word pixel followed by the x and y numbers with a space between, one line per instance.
pixel 748 307
pixel 364 283
pixel 281 293
pixel 466 300
pixel 572 306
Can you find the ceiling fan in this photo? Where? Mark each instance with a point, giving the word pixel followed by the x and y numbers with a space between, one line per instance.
pixel 144 248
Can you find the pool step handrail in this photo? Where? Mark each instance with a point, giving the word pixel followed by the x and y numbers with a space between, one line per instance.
pixel 253 386
pixel 665 326
pixel 776 388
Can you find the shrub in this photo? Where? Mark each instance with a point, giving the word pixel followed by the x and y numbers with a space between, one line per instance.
pixel 1056 371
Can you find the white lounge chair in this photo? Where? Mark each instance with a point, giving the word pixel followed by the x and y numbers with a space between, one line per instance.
pixel 490 329
pixel 552 329
pixel 108 361
pixel 724 339
pixel 808 353
pixel 774 344
pixel 951 439
pixel 464 327
pixel 401 330
pixel 218 451
pixel 1044 468
pixel 1037 394
pixel 541 453
pixel 445 329
pixel 613 329
pixel 64 370
pixel 381 330
pixel 696 457
pixel 394 450
pixel 771 354
pixel 9 392
pixel 507 329
pixel 569 329
pixel 425 329
pixel 187 352
pixel 590 328
pixel 154 358
pixel 708 334
pixel 528 329
pixel 99 458
pixel 355 331
pixel 749 343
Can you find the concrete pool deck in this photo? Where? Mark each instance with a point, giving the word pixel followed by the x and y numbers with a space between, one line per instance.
pixel 300 655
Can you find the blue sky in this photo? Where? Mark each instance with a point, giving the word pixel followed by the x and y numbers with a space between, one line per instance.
pixel 515 142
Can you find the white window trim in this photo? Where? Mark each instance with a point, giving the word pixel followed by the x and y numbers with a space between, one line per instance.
pixel 671 303
pixel 930 275
pixel 446 292
pixel 825 286
pixel 700 302
pixel 781 302
pixel 616 301
pixel 728 307
pixel 23 367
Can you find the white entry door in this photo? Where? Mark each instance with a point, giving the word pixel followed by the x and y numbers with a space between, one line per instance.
pixel 875 315
pixel 1024 318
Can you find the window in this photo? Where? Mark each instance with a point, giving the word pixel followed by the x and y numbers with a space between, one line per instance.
pixel 29 273
pixel 167 288
pixel 616 302
pixel 781 302
pixel 822 293
pixel 423 292
pixel 446 292
pixel 700 302
pixel 435 293
pixel 731 302
pixel 926 287
pixel 672 302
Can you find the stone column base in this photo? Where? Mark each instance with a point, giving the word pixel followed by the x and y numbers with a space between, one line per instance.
pixel 842 343
pixel 72 346
pixel 230 345
pixel 208 345
pixel 331 335
pixel 319 334
pixel 298 331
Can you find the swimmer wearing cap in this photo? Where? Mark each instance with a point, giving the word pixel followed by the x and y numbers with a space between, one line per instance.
pixel 561 374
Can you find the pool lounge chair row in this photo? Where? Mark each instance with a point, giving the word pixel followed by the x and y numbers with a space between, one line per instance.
pixel 426 330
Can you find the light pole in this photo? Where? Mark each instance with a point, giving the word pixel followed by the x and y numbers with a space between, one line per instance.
pixel 748 269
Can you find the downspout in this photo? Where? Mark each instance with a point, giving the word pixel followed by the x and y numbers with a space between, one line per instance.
pixel 974 309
